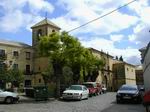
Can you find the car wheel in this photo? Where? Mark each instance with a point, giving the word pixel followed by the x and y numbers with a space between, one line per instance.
pixel 118 101
pixel 139 100
pixel 9 100
pixel 147 108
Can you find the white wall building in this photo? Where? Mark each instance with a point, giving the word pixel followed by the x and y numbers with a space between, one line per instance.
pixel 146 66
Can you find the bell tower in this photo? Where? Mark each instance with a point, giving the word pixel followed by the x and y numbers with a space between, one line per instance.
pixel 43 28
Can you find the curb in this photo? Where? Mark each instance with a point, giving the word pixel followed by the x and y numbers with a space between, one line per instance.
pixel 24 99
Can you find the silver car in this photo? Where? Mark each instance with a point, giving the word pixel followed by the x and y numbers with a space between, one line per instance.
pixel 8 97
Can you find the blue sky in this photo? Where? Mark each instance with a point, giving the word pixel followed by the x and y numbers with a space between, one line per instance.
pixel 120 33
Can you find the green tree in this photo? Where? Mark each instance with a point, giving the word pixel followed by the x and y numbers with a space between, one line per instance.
pixel 48 75
pixel 52 46
pixel 66 54
pixel 15 76
pixel 67 75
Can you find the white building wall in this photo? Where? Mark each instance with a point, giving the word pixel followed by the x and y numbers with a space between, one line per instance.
pixel 146 68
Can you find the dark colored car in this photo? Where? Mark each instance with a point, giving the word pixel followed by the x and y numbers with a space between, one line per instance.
pixel 128 93
pixel 92 88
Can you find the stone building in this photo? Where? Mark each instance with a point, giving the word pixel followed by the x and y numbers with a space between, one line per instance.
pixel 41 64
pixel 105 74
pixel 139 75
pixel 124 73
pixel 145 55
pixel 17 56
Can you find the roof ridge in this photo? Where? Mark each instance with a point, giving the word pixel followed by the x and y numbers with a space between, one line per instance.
pixel 11 42
pixel 44 22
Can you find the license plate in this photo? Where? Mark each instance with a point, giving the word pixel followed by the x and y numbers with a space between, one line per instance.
pixel 127 97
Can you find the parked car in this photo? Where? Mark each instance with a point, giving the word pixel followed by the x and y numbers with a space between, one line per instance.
pixel 78 92
pixel 8 97
pixel 128 93
pixel 92 88
pixel 146 101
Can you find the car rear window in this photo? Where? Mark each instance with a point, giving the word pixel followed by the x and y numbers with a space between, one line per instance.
pixel 75 88
pixel 88 85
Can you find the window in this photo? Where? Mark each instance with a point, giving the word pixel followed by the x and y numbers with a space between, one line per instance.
pixel 108 67
pixel 39 80
pixel 127 69
pixel 39 68
pixel 53 31
pixel 2 53
pixel 15 53
pixel 28 55
pixel 1 65
pixel 15 66
pixel 27 69
pixel 27 83
pixel 39 33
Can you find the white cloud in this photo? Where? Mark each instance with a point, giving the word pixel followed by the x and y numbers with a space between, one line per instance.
pixel 108 46
pixel 133 60
pixel 132 37
pixel 141 34
pixel 15 18
pixel 38 5
pixel 116 38
pixel 83 11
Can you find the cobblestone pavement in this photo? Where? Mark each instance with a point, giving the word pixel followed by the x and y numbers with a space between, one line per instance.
pixel 101 103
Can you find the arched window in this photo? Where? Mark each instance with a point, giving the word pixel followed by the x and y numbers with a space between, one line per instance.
pixel 39 33
pixel 53 31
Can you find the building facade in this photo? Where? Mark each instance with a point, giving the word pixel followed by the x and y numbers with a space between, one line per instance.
pixel 41 64
pixel 139 75
pixel 26 58
pixel 124 73
pixel 145 54
pixel 106 73
pixel 17 56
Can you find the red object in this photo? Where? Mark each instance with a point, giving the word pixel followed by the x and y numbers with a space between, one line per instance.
pixel 99 87
pixel 92 88
pixel 146 98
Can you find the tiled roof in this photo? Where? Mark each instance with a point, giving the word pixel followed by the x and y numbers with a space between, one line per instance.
pixel 44 22
pixel 13 43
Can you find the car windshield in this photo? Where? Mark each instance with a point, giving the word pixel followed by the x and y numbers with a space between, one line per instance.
pixel 128 88
pixel 75 88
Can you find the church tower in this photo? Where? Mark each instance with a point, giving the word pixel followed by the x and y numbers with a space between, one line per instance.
pixel 43 28
pixel 41 64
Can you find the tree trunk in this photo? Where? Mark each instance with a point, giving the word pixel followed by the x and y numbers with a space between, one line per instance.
pixel 58 86
pixel 58 72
